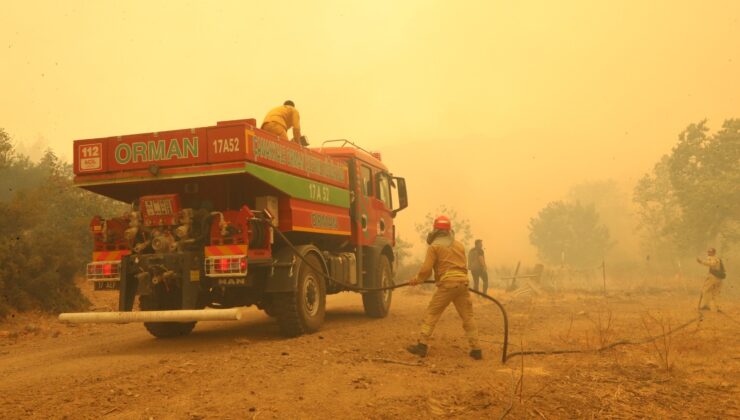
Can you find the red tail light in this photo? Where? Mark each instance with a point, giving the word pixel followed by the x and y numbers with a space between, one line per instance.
pixel 228 265
pixel 104 271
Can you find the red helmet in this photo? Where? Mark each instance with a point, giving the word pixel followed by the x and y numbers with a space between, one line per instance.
pixel 442 223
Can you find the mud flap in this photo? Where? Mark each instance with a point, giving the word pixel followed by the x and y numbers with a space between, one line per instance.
pixel 286 268
pixel 127 287
pixel 189 282
pixel 283 278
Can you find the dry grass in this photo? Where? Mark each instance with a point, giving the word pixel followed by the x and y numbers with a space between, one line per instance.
pixel 663 347
pixel 603 329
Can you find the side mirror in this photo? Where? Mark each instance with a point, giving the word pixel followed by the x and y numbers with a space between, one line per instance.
pixel 403 200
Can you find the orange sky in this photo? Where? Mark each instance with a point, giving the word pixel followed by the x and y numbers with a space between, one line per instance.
pixel 493 107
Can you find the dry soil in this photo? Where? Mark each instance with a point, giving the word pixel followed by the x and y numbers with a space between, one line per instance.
pixel 356 367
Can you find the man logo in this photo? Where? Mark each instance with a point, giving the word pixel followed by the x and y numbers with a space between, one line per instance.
pixel 232 282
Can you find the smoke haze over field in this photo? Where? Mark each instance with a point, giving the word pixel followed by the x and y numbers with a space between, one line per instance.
pixel 494 108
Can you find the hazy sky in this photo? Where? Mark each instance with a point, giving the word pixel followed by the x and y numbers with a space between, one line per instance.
pixel 493 107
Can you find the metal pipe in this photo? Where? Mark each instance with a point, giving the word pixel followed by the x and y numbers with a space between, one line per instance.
pixel 186 315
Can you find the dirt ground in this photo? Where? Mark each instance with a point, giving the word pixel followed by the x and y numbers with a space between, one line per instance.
pixel 356 367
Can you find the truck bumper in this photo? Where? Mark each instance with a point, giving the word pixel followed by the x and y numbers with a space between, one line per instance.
pixel 186 315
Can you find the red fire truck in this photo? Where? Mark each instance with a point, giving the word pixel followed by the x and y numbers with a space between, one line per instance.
pixel 229 216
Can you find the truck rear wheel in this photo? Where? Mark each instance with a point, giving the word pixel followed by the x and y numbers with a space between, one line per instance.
pixel 377 304
pixel 302 311
pixel 160 303
pixel 269 309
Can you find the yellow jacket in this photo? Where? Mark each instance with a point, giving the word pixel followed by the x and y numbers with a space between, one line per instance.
pixel 284 115
pixel 446 257
pixel 712 261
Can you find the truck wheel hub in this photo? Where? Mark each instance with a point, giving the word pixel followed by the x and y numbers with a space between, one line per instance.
pixel 311 295
pixel 385 282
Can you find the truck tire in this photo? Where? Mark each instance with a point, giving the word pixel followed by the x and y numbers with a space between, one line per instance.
pixel 302 311
pixel 164 329
pixel 378 304
pixel 270 312
pixel 268 306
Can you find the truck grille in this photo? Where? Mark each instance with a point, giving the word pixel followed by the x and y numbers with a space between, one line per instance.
pixel 104 271
pixel 226 266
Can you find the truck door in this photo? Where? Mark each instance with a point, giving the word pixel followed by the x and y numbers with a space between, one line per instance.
pixel 383 208
pixel 355 213
pixel 362 211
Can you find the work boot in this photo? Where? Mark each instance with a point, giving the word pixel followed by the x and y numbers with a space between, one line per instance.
pixel 419 349
pixel 476 354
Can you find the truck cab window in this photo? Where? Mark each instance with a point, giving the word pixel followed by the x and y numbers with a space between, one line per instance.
pixel 367 181
pixel 384 190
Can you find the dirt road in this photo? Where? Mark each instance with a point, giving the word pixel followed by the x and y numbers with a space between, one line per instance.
pixel 348 370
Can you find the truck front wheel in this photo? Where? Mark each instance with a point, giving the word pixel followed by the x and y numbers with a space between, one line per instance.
pixel 303 310
pixel 160 302
pixel 377 304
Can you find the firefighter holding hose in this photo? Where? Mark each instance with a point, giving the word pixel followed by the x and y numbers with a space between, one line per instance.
pixel 446 258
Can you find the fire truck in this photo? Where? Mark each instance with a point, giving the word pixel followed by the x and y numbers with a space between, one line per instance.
pixel 230 216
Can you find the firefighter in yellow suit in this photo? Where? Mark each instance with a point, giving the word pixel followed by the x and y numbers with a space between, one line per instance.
pixel 280 119
pixel 713 282
pixel 446 257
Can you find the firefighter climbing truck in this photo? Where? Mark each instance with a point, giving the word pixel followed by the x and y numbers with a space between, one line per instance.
pixel 200 240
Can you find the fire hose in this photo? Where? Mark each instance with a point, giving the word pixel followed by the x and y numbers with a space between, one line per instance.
pixel 505 355
pixel 505 345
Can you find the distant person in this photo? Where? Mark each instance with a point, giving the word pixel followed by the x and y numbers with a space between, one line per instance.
pixel 446 257
pixel 713 282
pixel 477 266
pixel 280 119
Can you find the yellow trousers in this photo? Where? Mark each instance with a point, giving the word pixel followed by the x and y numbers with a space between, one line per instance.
pixel 276 129
pixel 456 293
pixel 710 293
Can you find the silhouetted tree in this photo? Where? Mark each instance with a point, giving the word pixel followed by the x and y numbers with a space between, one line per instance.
pixel 6 149
pixel 569 232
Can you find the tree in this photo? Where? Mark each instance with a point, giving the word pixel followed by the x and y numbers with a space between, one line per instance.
pixel 606 196
pixel 402 250
pixel 658 212
pixel 692 196
pixel 403 267
pixel 44 232
pixel 6 149
pixel 570 233
pixel 460 225
pixel 612 204
pixel 705 175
